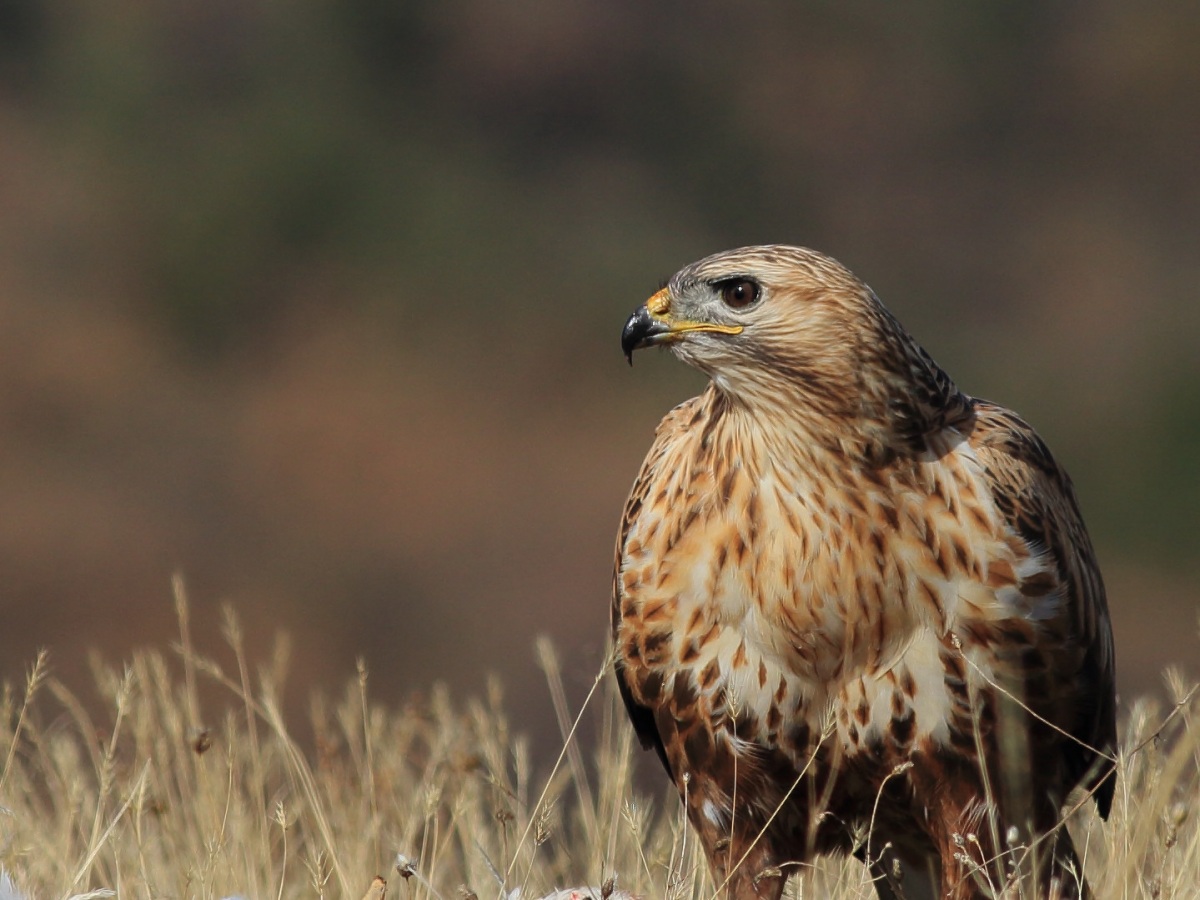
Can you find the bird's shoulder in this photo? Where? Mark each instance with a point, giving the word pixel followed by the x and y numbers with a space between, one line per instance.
pixel 1032 492
pixel 1035 499
pixel 1034 496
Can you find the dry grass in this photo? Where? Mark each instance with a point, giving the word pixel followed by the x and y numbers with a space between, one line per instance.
pixel 157 800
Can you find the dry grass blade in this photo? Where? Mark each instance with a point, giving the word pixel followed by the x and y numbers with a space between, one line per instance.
pixel 566 746
pixel 37 674
pixel 99 840
pixel 553 671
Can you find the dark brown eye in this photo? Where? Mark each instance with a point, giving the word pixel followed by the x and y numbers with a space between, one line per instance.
pixel 739 292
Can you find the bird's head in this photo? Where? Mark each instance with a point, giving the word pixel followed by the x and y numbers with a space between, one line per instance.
pixel 779 327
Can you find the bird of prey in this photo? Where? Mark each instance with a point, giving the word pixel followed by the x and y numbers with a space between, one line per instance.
pixel 855 609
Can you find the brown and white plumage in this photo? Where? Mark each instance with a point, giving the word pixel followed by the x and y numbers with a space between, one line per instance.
pixel 834 574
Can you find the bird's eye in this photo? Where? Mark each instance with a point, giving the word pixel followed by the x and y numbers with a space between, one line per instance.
pixel 739 292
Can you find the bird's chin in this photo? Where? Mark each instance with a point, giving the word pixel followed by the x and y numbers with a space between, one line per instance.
pixel 680 344
pixel 692 351
pixel 681 347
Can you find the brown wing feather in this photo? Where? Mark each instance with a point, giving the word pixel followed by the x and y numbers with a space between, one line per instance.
pixel 641 716
pixel 1036 496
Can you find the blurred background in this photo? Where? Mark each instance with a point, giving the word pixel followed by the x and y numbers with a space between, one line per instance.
pixel 318 303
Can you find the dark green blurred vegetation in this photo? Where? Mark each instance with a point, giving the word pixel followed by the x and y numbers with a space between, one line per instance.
pixel 319 301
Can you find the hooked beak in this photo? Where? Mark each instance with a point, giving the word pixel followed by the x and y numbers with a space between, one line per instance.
pixel 642 330
pixel 651 324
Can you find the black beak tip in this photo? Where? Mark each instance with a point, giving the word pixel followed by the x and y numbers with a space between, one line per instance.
pixel 637 328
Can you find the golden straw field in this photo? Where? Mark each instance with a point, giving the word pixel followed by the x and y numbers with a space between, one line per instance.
pixel 177 790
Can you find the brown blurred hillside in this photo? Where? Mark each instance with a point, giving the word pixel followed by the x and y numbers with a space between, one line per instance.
pixel 319 303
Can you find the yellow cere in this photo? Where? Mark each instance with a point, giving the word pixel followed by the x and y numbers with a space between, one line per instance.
pixel 659 303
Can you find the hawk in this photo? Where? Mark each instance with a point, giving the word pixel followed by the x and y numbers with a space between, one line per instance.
pixel 855 609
